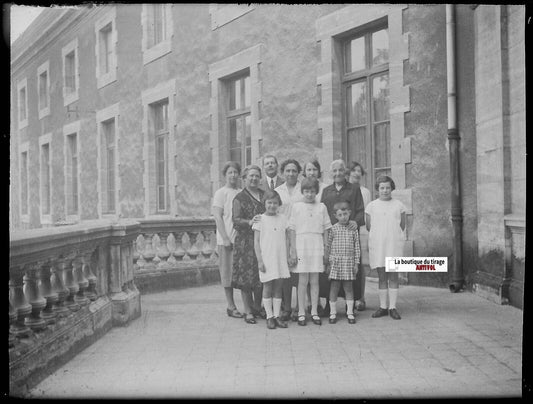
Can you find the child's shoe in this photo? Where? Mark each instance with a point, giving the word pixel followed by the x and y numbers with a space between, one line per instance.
pixel 360 305
pixel 271 323
pixel 316 320
pixel 351 319
pixel 285 316
pixel 380 313
pixel 332 319
pixel 394 314
pixel 302 320
pixel 294 315
pixel 280 323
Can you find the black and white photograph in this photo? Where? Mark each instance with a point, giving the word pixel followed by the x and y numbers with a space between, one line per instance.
pixel 267 200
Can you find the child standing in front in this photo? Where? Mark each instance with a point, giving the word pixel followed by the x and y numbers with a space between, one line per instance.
pixel 385 222
pixel 309 223
pixel 271 245
pixel 343 254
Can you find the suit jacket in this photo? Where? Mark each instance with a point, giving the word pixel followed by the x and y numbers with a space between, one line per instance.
pixel 264 184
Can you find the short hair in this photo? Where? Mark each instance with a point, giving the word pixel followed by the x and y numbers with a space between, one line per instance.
pixel 338 161
pixel 291 161
pixel 271 194
pixel 309 183
pixel 385 178
pixel 250 167
pixel 269 156
pixel 229 164
pixel 341 205
pixel 355 164
pixel 316 164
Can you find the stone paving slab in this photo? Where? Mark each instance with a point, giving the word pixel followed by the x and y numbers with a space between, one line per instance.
pixel 184 346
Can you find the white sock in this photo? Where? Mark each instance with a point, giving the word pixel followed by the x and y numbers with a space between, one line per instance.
pixel 268 307
pixel 349 307
pixel 277 306
pixel 332 308
pixel 383 298
pixel 393 296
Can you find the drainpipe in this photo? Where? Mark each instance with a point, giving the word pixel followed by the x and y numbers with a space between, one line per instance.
pixel 457 281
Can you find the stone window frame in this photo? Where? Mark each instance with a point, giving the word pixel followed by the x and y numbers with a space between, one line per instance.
pixel 24 148
pixel 221 14
pixel 102 116
pixel 22 84
pixel 163 47
pixel 43 140
pixel 45 67
pixel 219 71
pixel 329 29
pixel 71 129
pixel 67 49
pixel 160 92
pixel 103 79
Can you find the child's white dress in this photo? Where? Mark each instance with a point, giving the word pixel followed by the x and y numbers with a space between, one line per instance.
pixel 386 238
pixel 273 246
pixel 309 221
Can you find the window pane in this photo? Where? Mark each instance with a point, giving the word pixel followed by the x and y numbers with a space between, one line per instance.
pixel 356 104
pixel 22 101
pixel 357 145
pixel 105 48
pixel 43 89
pixel 235 155
pixel 248 129
pixel 247 96
pixel 382 145
pixel 45 178
pixel 158 23
pixel 234 139
pixel 110 180
pixel 161 198
pixel 380 47
pixel 160 113
pixel 70 71
pixel 380 96
pixel 354 55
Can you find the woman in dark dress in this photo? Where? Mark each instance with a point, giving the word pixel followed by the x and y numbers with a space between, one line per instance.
pixel 247 206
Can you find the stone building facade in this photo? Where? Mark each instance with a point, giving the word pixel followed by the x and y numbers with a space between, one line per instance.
pixel 131 111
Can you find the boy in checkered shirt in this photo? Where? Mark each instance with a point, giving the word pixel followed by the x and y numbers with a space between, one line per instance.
pixel 343 254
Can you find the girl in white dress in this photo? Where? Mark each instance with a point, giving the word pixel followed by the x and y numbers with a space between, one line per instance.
pixel 385 222
pixel 271 245
pixel 309 224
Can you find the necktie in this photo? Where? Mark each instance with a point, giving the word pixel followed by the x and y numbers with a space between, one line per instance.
pixel 272 183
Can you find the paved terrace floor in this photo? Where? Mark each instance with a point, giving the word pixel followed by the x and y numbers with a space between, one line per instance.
pixel 446 345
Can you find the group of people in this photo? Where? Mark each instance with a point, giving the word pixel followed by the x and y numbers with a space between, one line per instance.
pixel 279 232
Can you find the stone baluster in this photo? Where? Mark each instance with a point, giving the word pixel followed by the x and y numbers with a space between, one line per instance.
pixel 213 243
pixel 51 297
pixel 179 252
pixel 59 288
pixel 162 251
pixel 200 246
pixel 35 298
pixel 206 248
pixel 149 253
pixel 12 319
pixel 71 284
pixel 140 247
pixel 20 304
pixel 156 242
pixel 171 246
pixel 81 280
pixel 193 251
pixel 136 255
pixel 90 292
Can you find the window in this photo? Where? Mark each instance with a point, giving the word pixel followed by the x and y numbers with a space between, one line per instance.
pixel 106 38
pixel 70 72
pixel 45 179
pixel 365 83
pixel 22 103
pixel 239 120
pixel 161 132
pixel 108 129
pixel 24 191
pixel 43 80
pixel 157 30
pixel 72 205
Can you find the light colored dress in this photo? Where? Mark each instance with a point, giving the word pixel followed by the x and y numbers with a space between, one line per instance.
pixel 386 237
pixel 367 196
pixel 223 199
pixel 273 242
pixel 309 221
pixel 289 198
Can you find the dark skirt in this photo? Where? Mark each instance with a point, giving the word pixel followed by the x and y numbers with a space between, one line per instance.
pixel 245 274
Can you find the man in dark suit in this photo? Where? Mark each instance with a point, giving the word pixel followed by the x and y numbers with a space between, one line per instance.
pixel 270 178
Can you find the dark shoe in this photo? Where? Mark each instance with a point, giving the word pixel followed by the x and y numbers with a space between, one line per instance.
pixel 234 313
pixel 351 319
pixel 249 318
pixel 320 311
pixel 316 320
pixel 360 305
pixel 285 316
pixel 280 323
pixel 302 320
pixel 380 313
pixel 259 313
pixel 326 311
pixel 394 314
pixel 294 316
pixel 332 319
pixel 271 323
